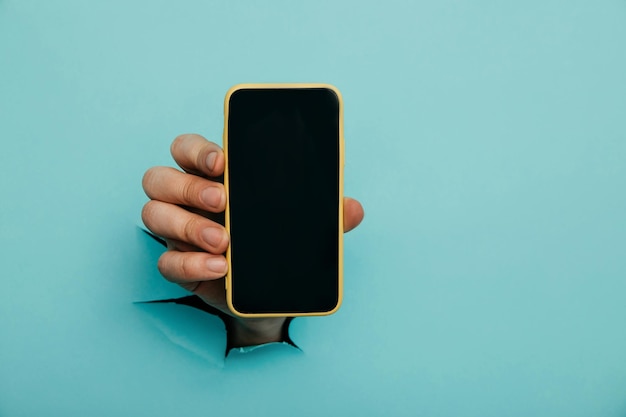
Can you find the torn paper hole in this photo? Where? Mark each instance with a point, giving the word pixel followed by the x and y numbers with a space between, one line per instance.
pixel 175 317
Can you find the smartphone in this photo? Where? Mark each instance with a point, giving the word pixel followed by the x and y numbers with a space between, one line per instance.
pixel 284 184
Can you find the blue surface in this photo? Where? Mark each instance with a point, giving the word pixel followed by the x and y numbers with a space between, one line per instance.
pixel 486 140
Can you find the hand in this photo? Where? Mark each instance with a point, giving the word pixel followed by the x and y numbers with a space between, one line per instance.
pixel 186 209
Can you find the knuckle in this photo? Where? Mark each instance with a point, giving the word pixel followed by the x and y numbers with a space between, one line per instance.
pixel 188 192
pixel 177 143
pixel 191 230
pixel 163 265
pixel 186 267
pixel 148 179
pixel 148 212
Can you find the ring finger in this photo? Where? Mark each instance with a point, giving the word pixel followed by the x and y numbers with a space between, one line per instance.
pixel 173 222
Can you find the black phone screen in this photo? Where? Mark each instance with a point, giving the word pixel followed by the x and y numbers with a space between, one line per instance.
pixel 283 156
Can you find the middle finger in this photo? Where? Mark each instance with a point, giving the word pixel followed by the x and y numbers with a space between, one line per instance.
pixel 172 186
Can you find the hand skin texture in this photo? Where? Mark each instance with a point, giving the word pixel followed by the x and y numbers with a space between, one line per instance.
pixel 187 210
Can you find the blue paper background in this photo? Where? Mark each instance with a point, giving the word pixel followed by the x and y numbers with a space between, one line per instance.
pixel 486 140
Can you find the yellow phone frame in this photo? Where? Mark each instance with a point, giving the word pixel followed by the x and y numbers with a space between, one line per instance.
pixel 229 276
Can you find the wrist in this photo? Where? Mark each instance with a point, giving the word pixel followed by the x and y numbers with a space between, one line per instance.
pixel 252 332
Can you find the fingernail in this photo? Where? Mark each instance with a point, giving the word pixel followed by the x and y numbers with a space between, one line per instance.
pixel 216 264
pixel 210 160
pixel 213 236
pixel 212 196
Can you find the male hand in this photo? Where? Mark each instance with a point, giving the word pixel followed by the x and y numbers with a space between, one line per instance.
pixel 186 210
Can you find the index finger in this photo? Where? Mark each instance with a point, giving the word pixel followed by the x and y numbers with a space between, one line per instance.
pixel 198 156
